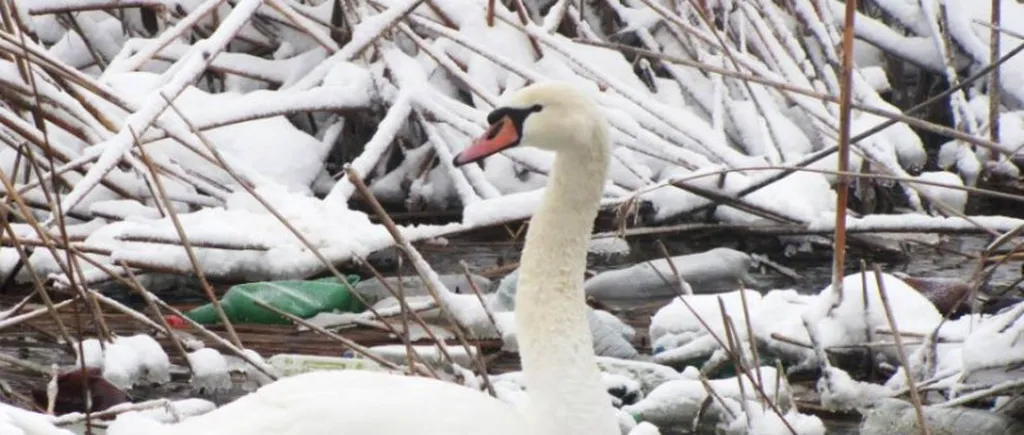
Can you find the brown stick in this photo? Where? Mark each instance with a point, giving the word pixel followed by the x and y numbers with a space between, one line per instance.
pixel 915 396
pixel 189 251
pixel 843 185
pixel 417 261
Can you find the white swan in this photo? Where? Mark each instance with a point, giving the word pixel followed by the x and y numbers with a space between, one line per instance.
pixel 566 396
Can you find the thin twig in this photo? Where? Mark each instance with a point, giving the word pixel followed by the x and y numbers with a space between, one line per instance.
pixel 915 396
pixel 433 285
pixel 189 251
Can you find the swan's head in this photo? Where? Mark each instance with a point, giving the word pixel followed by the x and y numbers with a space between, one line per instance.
pixel 553 116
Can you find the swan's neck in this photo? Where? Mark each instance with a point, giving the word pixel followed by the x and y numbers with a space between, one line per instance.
pixel 555 344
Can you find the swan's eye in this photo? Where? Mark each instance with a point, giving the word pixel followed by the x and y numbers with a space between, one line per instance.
pixel 516 114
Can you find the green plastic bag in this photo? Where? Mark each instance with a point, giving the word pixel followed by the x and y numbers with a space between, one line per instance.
pixel 302 299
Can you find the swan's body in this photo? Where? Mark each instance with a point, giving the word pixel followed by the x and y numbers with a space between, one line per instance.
pixel 349 402
pixel 566 396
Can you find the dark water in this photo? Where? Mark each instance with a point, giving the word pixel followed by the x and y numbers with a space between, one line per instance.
pixel 814 270
pixel 950 259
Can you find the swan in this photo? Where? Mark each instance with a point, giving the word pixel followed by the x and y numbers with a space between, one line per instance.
pixel 563 382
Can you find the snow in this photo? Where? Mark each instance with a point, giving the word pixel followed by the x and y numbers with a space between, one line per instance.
pixel 904 221
pixel 397 353
pixel 943 198
pixel 608 246
pixel 691 123
pixel 127 361
pixel 339 233
pixel 279 101
pixel 16 421
pixel 650 375
pixel 780 314
pixel 286 155
pixel 123 209
pixel 706 272
pixel 152 358
pixel 981 362
pixel 676 403
pixel 849 318
pixel 374 149
pixel 645 428
pixel 110 152
pixel 105 33
pixel 209 371
pixel 121 365
pixel 676 318
pixel 759 420
pixel 841 392
pixel 677 336
pixel 148 420
pixel 93 353
pixel 801 196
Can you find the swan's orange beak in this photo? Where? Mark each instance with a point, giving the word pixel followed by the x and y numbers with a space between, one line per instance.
pixel 501 135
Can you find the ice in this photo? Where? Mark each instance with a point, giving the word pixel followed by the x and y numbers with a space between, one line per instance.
pixel 209 371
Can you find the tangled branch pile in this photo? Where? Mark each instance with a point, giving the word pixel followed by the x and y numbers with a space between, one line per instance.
pixel 133 127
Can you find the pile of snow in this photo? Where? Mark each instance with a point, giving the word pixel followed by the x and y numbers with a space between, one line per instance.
pixel 149 421
pixel 711 271
pixel 677 335
pixel 943 199
pixel 209 371
pixel 338 232
pixel 676 404
pixel 128 361
pixel 275 120
pixel 16 421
